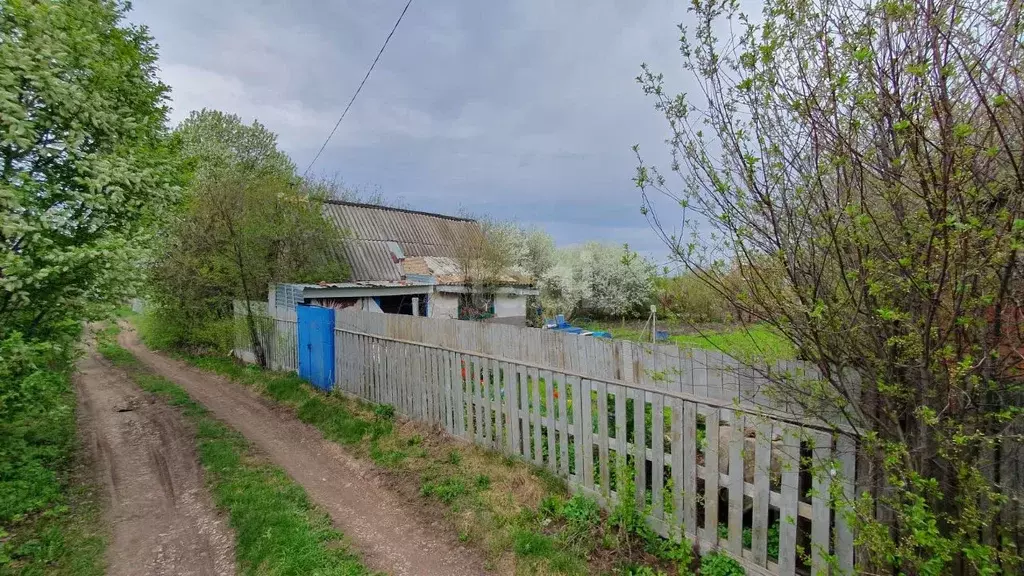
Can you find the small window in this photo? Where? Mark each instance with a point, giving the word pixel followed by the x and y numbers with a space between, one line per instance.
pixel 476 306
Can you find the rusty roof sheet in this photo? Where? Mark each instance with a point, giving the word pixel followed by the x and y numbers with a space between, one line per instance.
pixel 370 229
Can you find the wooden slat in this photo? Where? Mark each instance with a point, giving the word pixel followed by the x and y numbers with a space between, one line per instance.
pixel 482 382
pixel 789 462
pixel 736 483
pixel 486 393
pixel 524 412
pixel 586 422
pixel 681 495
pixel 640 446
pixel 821 485
pixel 621 451
pixel 535 417
pixel 430 384
pixel 499 406
pixel 446 393
pixel 657 454
pixel 846 453
pixel 549 417
pixel 700 372
pixel 577 428
pixel 602 439
pixel 762 469
pixel 472 404
pixel 711 422
pixel 510 382
pixel 458 395
pixel 689 468
pixel 563 425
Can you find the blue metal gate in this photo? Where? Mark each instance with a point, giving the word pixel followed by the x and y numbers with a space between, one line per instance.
pixel 316 345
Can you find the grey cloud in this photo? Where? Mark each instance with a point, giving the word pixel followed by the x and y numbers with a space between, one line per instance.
pixel 522 109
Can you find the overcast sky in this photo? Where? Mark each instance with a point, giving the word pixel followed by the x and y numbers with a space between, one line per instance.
pixel 523 110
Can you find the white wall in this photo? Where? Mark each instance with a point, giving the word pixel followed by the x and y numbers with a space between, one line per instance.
pixel 370 305
pixel 444 305
pixel 506 306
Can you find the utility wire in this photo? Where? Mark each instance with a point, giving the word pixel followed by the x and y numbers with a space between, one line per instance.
pixel 375 60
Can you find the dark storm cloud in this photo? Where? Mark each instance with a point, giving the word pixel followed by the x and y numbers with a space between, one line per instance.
pixel 518 109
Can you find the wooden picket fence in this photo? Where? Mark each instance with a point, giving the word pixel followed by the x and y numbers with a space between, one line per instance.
pixel 277 331
pixel 692 438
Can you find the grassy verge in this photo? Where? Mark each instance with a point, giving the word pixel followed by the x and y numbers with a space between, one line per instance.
pixel 745 343
pixel 520 517
pixel 50 512
pixel 277 529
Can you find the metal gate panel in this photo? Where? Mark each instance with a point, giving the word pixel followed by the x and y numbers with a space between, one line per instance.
pixel 316 345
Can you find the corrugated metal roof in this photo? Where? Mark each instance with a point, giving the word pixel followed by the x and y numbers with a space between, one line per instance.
pixel 370 228
pixel 449 271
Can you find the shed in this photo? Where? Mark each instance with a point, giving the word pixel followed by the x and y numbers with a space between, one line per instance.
pixel 406 262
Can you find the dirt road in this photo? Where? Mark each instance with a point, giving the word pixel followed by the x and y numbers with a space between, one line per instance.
pixel 382 527
pixel 163 521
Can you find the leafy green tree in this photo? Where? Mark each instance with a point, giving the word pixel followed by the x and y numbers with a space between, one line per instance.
pixel 861 164
pixel 84 166
pixel 246 221
pixel 85 161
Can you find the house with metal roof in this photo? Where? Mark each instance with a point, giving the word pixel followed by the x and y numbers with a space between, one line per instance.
pixel 408 262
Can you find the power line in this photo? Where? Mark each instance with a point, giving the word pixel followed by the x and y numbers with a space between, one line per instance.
pixel 375 60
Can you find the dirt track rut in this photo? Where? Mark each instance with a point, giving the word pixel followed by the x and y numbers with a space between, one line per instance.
pixel 163 521
pixel 385 530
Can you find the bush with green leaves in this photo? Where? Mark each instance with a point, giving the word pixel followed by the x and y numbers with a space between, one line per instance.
pixel 870 199
pixel 720 564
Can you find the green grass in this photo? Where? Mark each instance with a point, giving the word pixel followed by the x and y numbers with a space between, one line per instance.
pixel 50 514
pixel 754 342
pixel 278 531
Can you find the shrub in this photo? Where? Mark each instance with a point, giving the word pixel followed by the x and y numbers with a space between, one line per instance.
pixel 718 564
pixel 581 512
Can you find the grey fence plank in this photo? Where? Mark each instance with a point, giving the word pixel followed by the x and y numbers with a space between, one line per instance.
pixel 577 429
pixel 484 401
pixel 789 462
pixel 762 470
pixel 681 496
pixel 535 417
pixel 587 447
pixel 458 399
pixel 522 421
pixel 700 372
pixel 509 410
pixel 602 439
pixel 821 486
pixel 737 470
pixel 712 419
pixel 640 446
pixel 562 420
pixel 846 452
pixel 497 391
pixel 689 468
pixel 549 413
pixel 472 404
pixel 621 450
pixel 657 454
